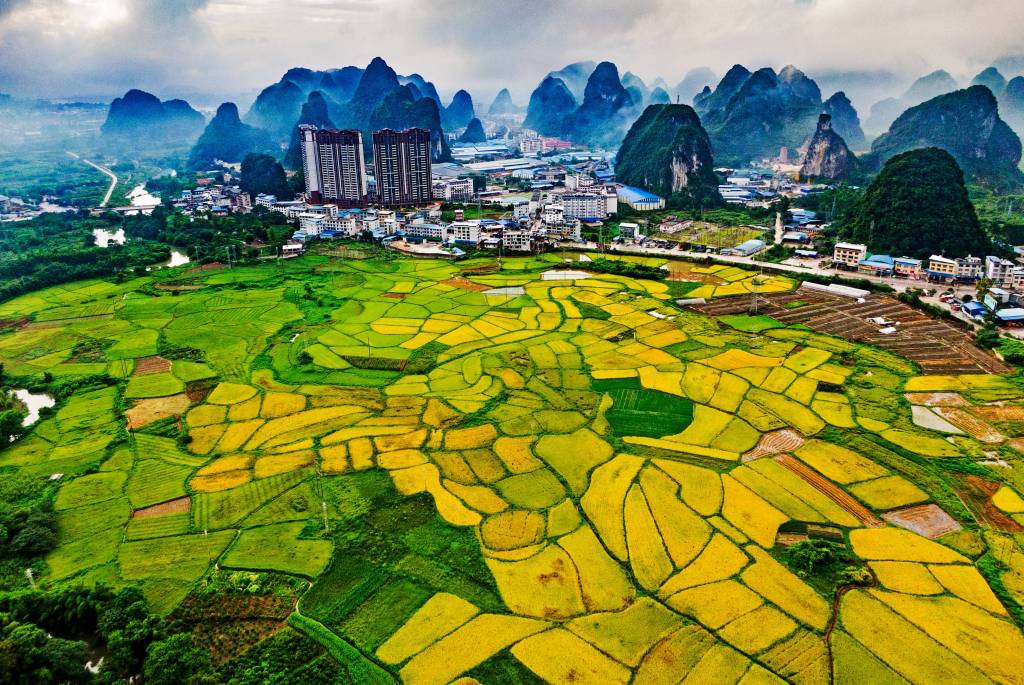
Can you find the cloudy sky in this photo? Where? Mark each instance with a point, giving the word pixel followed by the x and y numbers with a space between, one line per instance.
pixel 64 48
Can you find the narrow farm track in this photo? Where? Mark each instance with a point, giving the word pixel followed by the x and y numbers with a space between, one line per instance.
pixel 105 170
pixel 827 488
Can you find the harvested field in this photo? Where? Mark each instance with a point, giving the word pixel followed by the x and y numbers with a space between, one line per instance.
pixel 937 399
pixel 927 520
pixel 149 410
pixel 976 494
pixel 937 346
pixel 395 296
pixel 970 424
pixel 827 488
pixel 463 283
pixel 154 364
pixel 776 442
pixel 997 413
pixel 181 505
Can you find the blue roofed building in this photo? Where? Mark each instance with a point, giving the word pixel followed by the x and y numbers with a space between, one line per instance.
pixel 876 265
pixel 640 199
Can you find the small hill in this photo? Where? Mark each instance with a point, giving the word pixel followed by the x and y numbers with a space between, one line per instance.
pixel 425 87
pixel 227 139
pixel 575 77
pixel 828 156
pixel 918 206
pixel 549 104
pixel 966 124
pixel 502 104
pixel 659 96
pixel 668 152
pixel 884 112
pixel 713 100
pixel 991 79
pixel 693 83
pixel 142 117
pixel 1011 104
pixel 263 174
pixel 474 133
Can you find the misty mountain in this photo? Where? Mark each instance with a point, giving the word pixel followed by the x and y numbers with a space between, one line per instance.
pixel 503 104
pixel 550 103
pixel 276 109
pixel 966 124
pixel 884 112
pixel 991 79
pixel 400 109
pixel 764 113
pixel 716 100
pixel 314 112
pixel 862 87
pixel 142 117
pixel 606 111
pixel 460 112
pixel 693 83
pixel 426 88
pixel 637 89
pixel 575 77
pixel 1011 104
pixel 845 121
pixel 659 96
pixel 227 139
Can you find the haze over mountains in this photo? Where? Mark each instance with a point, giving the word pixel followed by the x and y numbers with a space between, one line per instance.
pixel 748 114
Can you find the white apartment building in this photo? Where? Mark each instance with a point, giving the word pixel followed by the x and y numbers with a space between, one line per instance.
pixel 343 223
pixel 553 215
pixel 465 231
pixel 999 270
pixel 453 189
pixel 310 223
pixel 517 241
pixel 424 230
pixel 849 254
pixel 521 210
pixel 585 206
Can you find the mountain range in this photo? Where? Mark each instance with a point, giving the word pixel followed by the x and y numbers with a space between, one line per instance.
pixel 140 118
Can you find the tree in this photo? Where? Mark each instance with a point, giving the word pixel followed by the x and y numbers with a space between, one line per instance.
pixel 982 288
pixel 263 174
pixel 177 661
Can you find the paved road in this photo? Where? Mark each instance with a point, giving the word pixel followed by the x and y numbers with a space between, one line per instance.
pixel 105 170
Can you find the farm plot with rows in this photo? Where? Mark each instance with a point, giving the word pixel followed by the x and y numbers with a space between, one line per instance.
pixel 467 472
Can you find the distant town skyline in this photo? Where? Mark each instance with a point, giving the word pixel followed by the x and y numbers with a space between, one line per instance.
pixel 99 48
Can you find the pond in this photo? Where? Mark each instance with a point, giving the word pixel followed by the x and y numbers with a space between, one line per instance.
pixel 34 402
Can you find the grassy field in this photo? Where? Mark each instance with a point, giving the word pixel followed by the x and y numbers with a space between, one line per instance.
pixel 474 472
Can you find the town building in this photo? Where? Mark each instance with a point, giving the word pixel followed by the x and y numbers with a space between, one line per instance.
pixel 453 189
pixel 264 200
pixel 425 230
pixel 517 241
pixel 907 267
pixel 464 231
pixel 959 268
pixel 333 166
pixel 998 270
pixel 584 206
pixel 401 162
pixel 876 265
pixel 640 199
pixel 849 254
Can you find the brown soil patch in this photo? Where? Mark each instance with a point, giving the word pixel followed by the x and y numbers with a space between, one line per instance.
pixel 6 324
pixel 937 399
pixel 970 424
pixel 148 365
pixel 976 494
pixel 776 442
pixel 395 296
pixel 181 505
pixel 204 267
pixel 198 393
pixel 830 490
pixel 147 411
pixel 466 284
pixel 176 288
pixel 928 520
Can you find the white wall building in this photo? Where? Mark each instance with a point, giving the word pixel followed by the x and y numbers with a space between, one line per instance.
pixel 585 206
pixel 849 253
pixel 465 231
pixel 517 241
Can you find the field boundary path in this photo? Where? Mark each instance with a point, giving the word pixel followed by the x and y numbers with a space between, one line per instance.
pixel 105 170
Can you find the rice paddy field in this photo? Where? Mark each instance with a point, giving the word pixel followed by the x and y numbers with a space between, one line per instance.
pixel 483 473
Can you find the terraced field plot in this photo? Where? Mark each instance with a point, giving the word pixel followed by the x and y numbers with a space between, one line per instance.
pixel 518 479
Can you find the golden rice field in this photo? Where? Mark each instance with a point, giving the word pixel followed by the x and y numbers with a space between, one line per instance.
pixel 566 481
